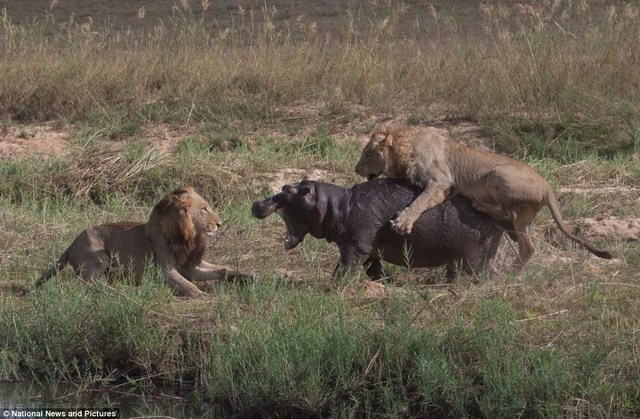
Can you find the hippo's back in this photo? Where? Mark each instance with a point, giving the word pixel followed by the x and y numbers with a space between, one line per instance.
pixel 450 231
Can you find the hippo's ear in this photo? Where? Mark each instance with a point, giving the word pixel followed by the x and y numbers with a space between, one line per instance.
pixel 387 141
pixel 304 190
pixel 289 189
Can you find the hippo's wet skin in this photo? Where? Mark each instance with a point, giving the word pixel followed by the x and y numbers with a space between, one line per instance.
pixel 357 220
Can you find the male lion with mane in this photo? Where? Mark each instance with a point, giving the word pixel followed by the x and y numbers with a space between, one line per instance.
pixel 499 186
pixel 174 238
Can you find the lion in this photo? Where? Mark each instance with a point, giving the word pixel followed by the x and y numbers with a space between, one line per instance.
pixel 499 186
pixel 174 239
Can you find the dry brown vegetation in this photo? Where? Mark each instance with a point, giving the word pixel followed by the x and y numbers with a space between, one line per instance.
pixel 560 70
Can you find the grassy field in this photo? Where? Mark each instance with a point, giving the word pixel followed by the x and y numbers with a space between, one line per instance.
pixel 252 100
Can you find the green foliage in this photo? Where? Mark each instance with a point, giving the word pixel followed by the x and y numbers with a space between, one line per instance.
pixel 307 354
pixel 53 337
pixel 563 142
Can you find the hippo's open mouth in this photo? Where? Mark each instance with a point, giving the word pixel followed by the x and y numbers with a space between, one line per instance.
pixel 281 205
pixel 293 238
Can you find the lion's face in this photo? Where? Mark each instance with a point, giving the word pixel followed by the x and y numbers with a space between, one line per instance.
pixel 205 219
pixel 376 158
pixel 184 218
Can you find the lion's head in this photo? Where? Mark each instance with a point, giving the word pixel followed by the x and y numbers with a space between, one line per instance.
pixel 376 158
pixel 184 219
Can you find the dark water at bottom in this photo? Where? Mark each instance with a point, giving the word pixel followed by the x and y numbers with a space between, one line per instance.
pixel 18 399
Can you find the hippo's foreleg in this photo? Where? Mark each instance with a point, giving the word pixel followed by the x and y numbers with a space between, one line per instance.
pixel 373 268
pixel 350 259
pixel 452 269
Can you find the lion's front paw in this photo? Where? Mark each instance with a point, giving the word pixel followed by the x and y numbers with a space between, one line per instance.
pixel 403 222
pixel 247 277
pixel 242 277
pixel 194 293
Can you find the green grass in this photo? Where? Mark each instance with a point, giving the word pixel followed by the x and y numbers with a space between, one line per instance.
pixel 270 348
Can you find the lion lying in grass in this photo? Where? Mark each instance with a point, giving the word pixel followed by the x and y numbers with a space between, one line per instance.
pixel 504 188
pixel 174 238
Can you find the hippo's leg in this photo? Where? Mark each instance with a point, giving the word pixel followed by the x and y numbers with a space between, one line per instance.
pixel 373 268
pixel 350 259
pixel 451 272
pixel 474 264
pixel 469 265
pixel 340 270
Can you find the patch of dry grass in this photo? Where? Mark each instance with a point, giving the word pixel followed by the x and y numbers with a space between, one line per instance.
pixel 557 69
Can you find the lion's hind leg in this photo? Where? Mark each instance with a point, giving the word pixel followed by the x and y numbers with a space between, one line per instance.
pixel 495 211
pixel 93 268
pixel 524 216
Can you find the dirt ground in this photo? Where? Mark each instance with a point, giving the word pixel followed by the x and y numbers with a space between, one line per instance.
pixel 18 143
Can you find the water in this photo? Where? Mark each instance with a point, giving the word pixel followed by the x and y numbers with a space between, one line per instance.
pixel 67 399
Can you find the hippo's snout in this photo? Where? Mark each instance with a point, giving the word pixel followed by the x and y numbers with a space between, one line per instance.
pixel 262 209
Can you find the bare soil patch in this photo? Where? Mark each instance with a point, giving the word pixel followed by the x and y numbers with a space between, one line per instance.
pixel 20 142
pixel 17 290
pixel 276 180
pixel 613 228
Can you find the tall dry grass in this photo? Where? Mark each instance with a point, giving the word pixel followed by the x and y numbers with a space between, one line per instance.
pixel 546 62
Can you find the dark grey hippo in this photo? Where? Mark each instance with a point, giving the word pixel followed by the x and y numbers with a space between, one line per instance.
pixel 357 220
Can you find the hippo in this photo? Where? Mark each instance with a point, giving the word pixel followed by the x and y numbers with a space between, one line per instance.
pixel 357 219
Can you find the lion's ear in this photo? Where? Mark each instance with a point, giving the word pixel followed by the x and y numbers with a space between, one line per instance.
pixel 182 198
pixel 387 141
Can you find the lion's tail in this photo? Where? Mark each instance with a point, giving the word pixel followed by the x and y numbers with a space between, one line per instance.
pixel 63 260
pixel 552 203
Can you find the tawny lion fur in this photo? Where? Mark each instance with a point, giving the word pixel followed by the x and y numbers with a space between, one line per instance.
pixel 174 239
pixel 502 187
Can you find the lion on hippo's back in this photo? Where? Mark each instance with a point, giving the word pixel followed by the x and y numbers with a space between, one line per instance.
pixel 174 238
pixel 499 186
